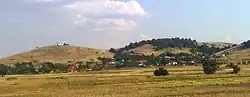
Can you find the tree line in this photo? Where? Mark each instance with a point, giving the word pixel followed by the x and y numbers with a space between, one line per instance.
pixel 48 67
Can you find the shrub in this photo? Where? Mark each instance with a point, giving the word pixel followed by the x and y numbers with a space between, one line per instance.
pixel 244 62
pixel 210 66
pixel 161 72
pixel 239 63
pixel 231 65
pixel 157 72
pixel 236 69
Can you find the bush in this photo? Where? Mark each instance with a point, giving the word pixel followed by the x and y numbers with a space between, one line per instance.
pixel 236 70
pixel 239 63
pixel 244 62
pixel 161 72
pixel 210 66
pixel 157 72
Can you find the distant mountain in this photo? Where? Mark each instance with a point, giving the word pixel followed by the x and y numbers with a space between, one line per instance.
pixel 60 54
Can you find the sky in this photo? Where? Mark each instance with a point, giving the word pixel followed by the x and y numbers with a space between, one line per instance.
pixel 26 24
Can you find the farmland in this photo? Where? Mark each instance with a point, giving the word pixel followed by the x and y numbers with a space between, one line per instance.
pixel 188 81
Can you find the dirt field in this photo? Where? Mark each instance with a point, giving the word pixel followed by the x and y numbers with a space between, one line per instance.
pixel 186 81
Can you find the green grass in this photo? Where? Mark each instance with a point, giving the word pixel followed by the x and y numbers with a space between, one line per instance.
pixel 186 81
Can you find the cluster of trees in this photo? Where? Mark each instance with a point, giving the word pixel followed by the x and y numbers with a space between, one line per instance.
pixel 246 44
pixel 129 60
pixel 210 66
pixel 29 68
pixel 171 43
pixel 48 67
pixel 160 44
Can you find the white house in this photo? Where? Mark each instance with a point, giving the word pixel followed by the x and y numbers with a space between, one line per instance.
pixel 61 44
pixel 58 44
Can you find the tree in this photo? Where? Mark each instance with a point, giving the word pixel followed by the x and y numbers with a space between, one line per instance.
pixel 61 68
pixel 112 50
pixel 210 66
pixel 82 66
pixel 3 69
pixel 23 68
pixel 47 67
pixel 236 68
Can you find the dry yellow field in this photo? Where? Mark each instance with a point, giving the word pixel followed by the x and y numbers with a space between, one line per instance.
pixel 186 81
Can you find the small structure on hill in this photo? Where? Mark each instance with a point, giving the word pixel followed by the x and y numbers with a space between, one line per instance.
pixel 61 44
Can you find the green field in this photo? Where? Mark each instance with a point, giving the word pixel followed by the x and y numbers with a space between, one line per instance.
pixel 186 81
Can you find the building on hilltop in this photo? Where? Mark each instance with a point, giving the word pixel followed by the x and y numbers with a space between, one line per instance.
pixel 61 44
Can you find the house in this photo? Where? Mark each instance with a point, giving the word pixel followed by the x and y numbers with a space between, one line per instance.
pixel 61 44
pixel 174 63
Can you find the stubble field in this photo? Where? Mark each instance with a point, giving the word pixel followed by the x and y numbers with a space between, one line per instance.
pixel 188 81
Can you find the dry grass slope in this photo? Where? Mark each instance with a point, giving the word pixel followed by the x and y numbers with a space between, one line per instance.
pixel 59 54
pixel 216 44
pixel 238 55
pixel 148 49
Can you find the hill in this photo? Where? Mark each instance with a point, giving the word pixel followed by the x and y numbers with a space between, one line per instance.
pixel 237 53
pixel 149 49
pixel 216 44
pixel 156 47
pixel 173 45
pixel 60 54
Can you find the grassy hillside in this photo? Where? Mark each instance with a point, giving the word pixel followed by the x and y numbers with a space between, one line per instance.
pixel 148 49
pixel 59 54
pixel 216 44
pixel 237 54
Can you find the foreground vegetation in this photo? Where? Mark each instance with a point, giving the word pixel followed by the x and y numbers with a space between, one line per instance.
pixel 188 81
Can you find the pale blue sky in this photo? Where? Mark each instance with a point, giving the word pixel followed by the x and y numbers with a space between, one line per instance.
pixel 25 24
